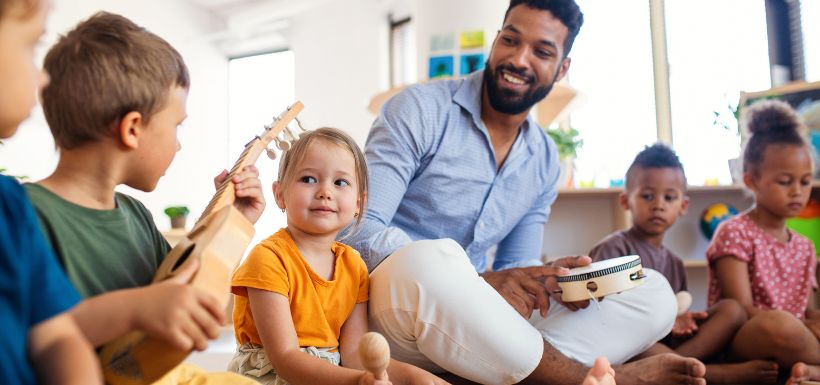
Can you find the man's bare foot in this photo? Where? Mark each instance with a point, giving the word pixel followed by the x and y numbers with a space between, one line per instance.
pixel 804 374
pixel 667 369
pixel 601 373
pixel 749 372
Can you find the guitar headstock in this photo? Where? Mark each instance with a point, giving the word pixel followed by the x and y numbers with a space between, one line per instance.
pixel 279 132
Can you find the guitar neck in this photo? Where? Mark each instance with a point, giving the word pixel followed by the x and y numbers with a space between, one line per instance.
pixel 225 194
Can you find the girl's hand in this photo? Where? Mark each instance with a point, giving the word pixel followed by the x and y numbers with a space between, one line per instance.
pixel 686 324
pixel 368 379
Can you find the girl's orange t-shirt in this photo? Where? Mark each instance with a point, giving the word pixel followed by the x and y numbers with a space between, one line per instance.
pixel 318 307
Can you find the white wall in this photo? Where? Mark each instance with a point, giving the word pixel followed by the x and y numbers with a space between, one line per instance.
pixel 455 16
pixel 189 179
pixel 341 62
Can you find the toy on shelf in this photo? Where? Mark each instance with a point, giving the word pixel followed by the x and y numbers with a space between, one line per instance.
pixel 713 215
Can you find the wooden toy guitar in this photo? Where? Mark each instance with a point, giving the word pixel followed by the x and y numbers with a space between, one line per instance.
pixel 218 240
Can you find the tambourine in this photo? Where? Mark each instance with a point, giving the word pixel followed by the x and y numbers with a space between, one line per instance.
pixel 601 278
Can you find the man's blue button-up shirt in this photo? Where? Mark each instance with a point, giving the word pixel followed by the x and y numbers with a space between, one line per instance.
pixel 433 174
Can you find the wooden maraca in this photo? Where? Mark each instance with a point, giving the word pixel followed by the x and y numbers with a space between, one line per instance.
pixel 374 353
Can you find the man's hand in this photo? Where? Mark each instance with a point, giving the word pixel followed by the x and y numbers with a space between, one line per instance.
pixel 248 189
pixel 686 324
pixel 523 288
pixel 552 283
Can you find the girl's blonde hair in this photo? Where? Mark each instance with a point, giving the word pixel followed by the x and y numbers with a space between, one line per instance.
pixel 296 154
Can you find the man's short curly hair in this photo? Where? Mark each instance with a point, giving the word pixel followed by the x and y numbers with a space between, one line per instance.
pixel 565 10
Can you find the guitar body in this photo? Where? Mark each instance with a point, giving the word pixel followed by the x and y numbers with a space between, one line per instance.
pixel 218 242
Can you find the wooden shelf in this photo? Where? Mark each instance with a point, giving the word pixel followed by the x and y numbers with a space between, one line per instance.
pixel 692 189
pixel 173 236
pixel 695 263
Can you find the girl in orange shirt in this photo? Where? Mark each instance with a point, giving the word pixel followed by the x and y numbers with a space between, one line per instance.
pixel 301 297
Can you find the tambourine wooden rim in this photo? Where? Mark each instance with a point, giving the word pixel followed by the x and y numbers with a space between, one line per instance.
pixel 601 278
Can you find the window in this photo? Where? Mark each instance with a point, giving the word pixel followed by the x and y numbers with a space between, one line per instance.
pixel 811 38
pixel 715 52
pixel 612 69
pixel 260 87
pixel 402 52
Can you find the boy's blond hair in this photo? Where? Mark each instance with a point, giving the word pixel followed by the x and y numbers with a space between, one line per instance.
pixel 100 71
pixel 294 156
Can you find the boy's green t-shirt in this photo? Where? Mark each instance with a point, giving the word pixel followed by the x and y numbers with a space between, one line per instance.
pixel 101 250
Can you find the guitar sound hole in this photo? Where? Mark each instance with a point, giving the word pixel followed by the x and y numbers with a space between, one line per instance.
pixel 183 257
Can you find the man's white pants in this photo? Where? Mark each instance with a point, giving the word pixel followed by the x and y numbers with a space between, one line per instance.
pixel 439 314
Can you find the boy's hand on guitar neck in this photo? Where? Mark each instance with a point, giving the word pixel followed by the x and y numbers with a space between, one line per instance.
pixel 249 198
pixel 178 313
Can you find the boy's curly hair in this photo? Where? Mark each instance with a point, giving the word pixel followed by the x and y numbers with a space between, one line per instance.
pixel 657 155
pixel 770 122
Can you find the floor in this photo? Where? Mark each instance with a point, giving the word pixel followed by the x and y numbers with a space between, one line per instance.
pixel 218 354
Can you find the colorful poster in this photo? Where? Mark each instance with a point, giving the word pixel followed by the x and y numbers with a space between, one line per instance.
pixel 442 42
pixel 440 66
pixel 471 39
pixel 471 63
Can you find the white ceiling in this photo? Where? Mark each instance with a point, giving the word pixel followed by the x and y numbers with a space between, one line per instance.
pixel 252 25
pixel 225 7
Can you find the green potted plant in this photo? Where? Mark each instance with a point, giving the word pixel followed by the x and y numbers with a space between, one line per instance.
pixel 568 143
pixel 729 119
pixel 178 215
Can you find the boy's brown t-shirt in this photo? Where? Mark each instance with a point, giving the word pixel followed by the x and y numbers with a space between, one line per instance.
pixel 660 259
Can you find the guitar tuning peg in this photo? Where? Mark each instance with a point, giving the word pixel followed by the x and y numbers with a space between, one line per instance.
pixel 289 135
pixel 271 153
pixel 283 145
pixel 299 124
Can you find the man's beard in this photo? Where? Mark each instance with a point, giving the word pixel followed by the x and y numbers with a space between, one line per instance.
pixel 512 103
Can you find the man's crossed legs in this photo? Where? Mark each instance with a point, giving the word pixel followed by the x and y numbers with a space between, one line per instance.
pixel 439 314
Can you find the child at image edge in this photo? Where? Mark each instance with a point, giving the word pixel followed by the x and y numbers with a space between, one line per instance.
pixel 301 297
pixel 655 196
pixel 39 341
pixel 117 96
pixel 757 261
